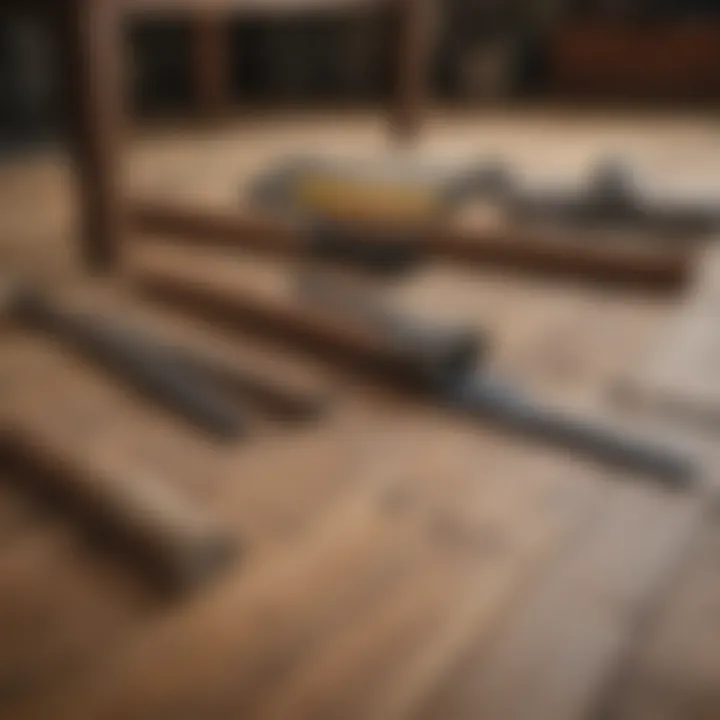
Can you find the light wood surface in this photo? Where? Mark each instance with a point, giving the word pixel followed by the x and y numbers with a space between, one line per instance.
pixel 680 378
pixel 89 52
pixel 399 561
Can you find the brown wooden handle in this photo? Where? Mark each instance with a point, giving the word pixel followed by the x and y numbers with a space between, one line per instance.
pixel 137 513
pixel 409 356
pixel 264 314
pixel 649 264
pixel 198 225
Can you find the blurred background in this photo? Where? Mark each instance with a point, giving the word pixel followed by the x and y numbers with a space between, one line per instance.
pixel 370 550
pixel 659 51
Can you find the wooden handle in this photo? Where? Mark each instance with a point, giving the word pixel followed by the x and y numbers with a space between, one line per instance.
pixel 412 23
pixel 199 225
pixel 212 62
pixel 650 265
pixel 261 313
pixel 408 354
pixel 139 514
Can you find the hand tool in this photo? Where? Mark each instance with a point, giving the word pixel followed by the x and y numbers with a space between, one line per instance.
pixel 280 400
pixel 612 197
pixel 147 365
pixel 648 265
pixel 428 351
pixel 338 200
pixel 494 401
pixel 328 190
pixel 135 512
pixel 447 379
pixel 505 406
pixel 335 190
pixel 410 356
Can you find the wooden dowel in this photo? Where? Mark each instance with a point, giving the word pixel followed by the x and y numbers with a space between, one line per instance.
pixel 411 41
pixel 212 63
pixel 650 265
pixel 198 225
pixel 90 33
pixel 160 531
pixel 409 350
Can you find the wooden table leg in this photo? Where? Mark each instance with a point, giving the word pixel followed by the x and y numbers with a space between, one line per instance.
pixel 212 62
pixel 412 42
pixel 90 33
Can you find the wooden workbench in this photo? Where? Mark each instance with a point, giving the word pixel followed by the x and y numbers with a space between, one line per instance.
pixel 398 562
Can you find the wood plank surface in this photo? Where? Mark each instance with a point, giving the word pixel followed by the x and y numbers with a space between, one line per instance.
pixel 674 671
pixel 679 378
pixel 400 561
pixel 564 642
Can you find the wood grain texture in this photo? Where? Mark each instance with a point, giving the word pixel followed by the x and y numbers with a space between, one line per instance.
pixel 129 508
pixel 674 668
pixel 91 58
pixel 646 265
pixel 678 379
pixel 563 643
pixel 400 562
pixel 211 64
pixel 412 20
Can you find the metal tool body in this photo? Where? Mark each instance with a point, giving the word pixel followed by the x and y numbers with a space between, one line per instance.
pixel 457 384
pixel 376 342
pixel 280 401
pixel 147 365
pixel 337 200
pixel 433 352
pixel 336 193
pixel 332 189
pixel 493 401
pixel 613 198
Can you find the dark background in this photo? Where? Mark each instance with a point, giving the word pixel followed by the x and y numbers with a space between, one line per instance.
pixel 485 51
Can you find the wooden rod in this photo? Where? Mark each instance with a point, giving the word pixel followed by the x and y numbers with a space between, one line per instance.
pixel 325 320
pixel 90 34
pixel 160 531
pixel 411 40
pixel 648 264
pixel 198 225
pixel 212 63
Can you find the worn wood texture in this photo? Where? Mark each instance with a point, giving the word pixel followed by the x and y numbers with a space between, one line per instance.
pixel 399 562
pixel 212 64
pixel 632 262
pixel 91 56
pixel 412 21
pixel 674 672
pixel 154 526
pixel 679 378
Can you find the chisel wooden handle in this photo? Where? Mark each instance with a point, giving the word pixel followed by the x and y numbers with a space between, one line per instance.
pixel 408 353
pixel 447 382
pixel 651 265
pixel 138 514
pixel 198 225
